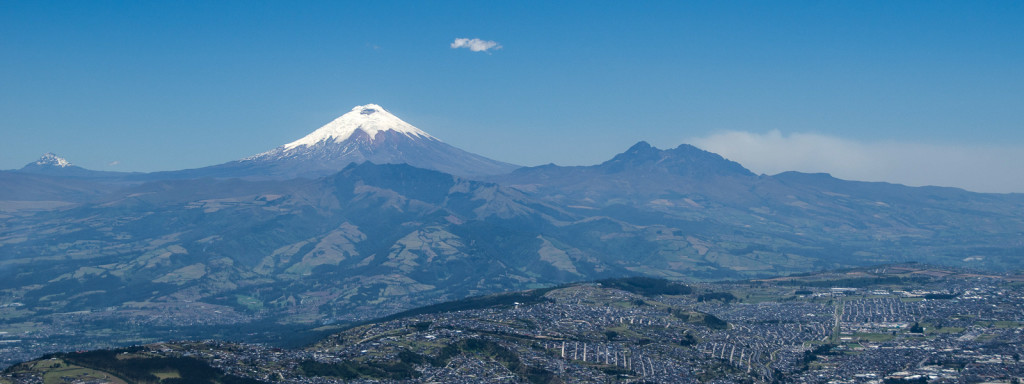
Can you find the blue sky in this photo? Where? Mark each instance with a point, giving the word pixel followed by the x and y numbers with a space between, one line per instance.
pixel 144 86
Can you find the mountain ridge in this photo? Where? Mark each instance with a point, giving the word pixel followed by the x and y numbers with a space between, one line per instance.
pixel 374 239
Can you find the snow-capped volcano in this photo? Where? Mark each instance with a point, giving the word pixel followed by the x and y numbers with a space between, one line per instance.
pixel 52 164
pixel 366 133
pixel 49 159
pixel 371 119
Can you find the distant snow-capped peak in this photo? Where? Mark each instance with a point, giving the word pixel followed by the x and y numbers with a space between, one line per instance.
pixel 370 118
pixel 52 160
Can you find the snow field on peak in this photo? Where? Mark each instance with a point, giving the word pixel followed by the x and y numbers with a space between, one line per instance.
pixel 51 159
pixel 369 118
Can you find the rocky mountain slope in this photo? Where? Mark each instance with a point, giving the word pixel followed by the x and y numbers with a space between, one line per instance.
pixel 849 221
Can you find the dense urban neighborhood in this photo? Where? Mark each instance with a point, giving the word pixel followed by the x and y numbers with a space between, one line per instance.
pixel 893 324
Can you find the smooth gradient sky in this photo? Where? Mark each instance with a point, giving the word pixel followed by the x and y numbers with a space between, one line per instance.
pixel 914 92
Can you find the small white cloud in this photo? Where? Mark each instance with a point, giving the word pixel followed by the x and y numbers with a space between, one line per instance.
pixel 113 163
pixel 475 45
pixel 981 168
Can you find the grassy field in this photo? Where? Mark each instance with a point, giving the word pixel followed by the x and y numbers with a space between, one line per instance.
pixel 1001 324
pixel 251 303
pixel 167 375
pixel 875 337
pixel 58 372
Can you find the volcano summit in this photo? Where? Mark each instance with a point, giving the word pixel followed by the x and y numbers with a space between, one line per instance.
pixel 366 133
